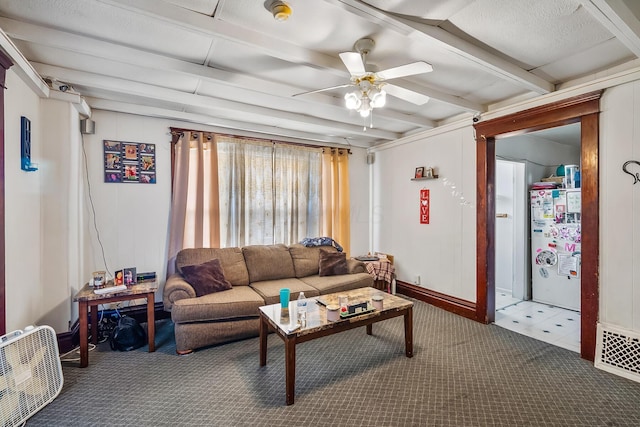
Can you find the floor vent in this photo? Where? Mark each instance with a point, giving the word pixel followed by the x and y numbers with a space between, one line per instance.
pixel 618 351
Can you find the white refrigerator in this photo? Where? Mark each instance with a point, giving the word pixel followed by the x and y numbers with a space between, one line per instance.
pixel 555 247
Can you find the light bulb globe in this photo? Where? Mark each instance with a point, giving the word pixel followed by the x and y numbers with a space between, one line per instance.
pixel 351 101
pixel 379 99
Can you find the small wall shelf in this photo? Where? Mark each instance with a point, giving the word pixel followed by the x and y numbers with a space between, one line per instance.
pixel 424 178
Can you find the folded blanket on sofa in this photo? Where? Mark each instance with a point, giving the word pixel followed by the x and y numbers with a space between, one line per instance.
pixel 320 241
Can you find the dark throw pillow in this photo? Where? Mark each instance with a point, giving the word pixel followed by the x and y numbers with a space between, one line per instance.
pixel 332 263
pixel 206 278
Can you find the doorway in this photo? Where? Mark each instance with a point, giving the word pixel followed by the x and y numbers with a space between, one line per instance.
pixel 542 306
pixel 583 109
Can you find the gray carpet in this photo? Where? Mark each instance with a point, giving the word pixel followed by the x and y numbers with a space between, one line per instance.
pixel 462 374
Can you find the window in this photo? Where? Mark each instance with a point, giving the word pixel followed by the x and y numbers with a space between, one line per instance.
pixel 230 191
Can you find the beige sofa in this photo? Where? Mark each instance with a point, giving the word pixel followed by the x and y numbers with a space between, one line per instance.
pixel 256 273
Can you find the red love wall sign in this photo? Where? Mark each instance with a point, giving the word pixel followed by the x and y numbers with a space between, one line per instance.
pixel 424 206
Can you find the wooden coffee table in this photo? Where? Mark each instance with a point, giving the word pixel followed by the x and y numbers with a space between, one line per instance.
pixel 283 323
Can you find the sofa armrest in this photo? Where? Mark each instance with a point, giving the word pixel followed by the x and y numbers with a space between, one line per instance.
pixel 176 288
pixel 355 266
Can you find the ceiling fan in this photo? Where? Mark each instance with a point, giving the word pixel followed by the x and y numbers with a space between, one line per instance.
pixel 371 88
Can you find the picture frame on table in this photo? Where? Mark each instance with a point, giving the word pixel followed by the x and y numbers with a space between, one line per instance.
pixel 428 173
pixel 130 276
pixel 419 172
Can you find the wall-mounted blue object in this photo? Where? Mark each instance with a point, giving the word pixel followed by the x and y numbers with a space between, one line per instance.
pixel 25 145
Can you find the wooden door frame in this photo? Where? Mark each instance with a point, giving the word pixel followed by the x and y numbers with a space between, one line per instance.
pixel 583 109
pixel 5 64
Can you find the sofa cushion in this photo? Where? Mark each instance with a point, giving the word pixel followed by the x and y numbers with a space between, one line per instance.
pixel 344 282
pixel 268 262
pixel 269 290
pixel 306 259
pixel 236 303
pixel 206 278
pixel 231 260
pixel 332 263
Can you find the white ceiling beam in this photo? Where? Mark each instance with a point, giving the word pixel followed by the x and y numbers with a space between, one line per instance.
pixel 22 67
pixel 616 17
pixel 275 47
pixel 223 125
pixel 492 63
pixel 221 107
pixel 149 61
pixel 78 102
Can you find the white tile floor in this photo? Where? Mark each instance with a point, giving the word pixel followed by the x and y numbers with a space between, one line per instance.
pixel 547 323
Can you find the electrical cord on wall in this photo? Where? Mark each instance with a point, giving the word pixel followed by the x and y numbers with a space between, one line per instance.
pixel 93 209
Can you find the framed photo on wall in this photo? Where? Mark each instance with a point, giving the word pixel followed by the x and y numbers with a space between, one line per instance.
pixel 132 162
pixel 419 172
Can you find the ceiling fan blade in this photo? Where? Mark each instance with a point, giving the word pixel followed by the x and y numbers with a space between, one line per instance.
pixel 406 94
pixel 405 70
pixel 353 62
pixel 323 89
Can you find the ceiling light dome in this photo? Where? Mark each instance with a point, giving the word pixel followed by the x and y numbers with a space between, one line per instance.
pixel 378 98
pixel 352 100
pixel 281 11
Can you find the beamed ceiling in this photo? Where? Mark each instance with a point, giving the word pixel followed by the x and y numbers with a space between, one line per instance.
pixel 230 65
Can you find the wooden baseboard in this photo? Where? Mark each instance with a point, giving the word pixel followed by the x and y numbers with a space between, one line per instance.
pixel 446 302
pixel 67 341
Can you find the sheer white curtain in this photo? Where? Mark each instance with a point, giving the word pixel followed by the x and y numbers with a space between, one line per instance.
pixel 269 193
pixel 297 175
pixel 245 173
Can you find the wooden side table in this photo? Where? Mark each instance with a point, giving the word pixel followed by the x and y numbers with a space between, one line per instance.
pixel 88 300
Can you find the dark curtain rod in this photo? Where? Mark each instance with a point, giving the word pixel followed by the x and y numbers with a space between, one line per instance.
pixel 177 132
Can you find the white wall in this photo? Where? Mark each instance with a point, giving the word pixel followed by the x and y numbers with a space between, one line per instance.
pixel 61 180
pixel 42 222
pixel 25 297
pixel 131 220
pixel 620 207
pixel 443 252
pixel 359 202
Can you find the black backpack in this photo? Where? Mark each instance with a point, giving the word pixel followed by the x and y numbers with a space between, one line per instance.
pixel 127 335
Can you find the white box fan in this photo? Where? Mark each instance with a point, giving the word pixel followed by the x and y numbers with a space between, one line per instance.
pixel 30 373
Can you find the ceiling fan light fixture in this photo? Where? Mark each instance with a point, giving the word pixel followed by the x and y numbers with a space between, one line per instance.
pixel 281 11
pixel 378 99
pixel 365 108
pixel 352 101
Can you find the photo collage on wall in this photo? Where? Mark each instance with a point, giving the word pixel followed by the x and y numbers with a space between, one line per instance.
pixel 129 162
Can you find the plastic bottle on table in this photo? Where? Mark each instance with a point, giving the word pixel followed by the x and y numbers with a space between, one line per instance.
pixel 302 310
